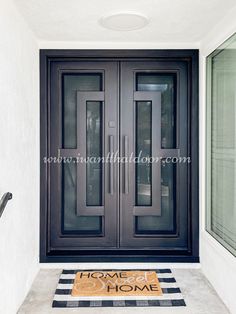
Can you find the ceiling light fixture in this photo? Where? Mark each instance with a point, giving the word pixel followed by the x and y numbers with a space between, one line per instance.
pixel 124 21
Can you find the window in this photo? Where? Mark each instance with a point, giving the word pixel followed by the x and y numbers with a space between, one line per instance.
pixel 221 144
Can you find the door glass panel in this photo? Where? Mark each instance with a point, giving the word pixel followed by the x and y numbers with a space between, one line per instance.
pixel 71 84
pixel 94 151
pixel 144 150
pixel 166 84
pixel 166 222
pixel 72 222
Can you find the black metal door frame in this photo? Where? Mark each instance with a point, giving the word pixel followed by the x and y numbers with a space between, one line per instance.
pixel 191 254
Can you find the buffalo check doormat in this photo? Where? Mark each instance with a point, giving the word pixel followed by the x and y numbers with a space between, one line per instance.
pixel 117 288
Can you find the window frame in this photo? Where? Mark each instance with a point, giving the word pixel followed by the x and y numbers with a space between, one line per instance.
pixel 208 137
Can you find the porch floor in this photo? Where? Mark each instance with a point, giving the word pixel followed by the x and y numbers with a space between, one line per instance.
pixel 199 296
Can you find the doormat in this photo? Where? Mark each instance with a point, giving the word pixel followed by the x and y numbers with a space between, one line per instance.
pixel 117 288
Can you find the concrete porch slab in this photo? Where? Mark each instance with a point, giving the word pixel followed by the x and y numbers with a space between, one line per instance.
pixel 199 296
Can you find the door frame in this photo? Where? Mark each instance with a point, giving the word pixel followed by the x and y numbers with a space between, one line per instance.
pixel 191 57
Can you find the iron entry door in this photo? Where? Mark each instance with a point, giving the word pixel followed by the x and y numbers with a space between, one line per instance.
pixel 127 109
pixel 83 125
pixel 154 123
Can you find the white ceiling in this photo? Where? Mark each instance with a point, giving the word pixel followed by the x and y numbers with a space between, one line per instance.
pixel 177 21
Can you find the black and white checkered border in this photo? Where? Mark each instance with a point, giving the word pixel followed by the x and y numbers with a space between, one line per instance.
pixel 63 299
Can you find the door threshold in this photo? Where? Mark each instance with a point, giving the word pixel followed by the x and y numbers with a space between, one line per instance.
pixel 99 259
pixel 144 265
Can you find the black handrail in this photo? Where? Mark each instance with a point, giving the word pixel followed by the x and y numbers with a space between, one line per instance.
pixel 3 202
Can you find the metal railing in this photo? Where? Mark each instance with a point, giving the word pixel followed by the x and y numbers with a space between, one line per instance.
pixel 3 202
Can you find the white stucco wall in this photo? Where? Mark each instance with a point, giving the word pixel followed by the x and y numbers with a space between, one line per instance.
pixel 218 265
pixel 19 157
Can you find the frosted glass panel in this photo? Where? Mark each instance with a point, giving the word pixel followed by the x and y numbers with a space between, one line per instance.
pixel 221 144
pixel 164 83
pixel 144 149
pixel 72 84
pixel 72 222
pixel 94 150
pixel 166 222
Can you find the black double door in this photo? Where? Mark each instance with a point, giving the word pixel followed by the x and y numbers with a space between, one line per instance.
pixel 118 130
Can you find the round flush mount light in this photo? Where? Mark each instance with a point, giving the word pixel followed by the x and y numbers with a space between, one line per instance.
pixel 124 21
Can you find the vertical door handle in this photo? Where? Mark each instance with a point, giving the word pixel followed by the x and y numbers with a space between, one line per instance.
pixel 111 164
pixel 126 165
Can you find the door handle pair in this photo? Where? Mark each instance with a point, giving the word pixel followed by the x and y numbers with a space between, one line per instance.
pixel 111 165
pixel 126 165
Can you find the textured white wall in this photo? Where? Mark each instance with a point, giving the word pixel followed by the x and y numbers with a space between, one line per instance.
pixel 218 265
pixel 19 157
